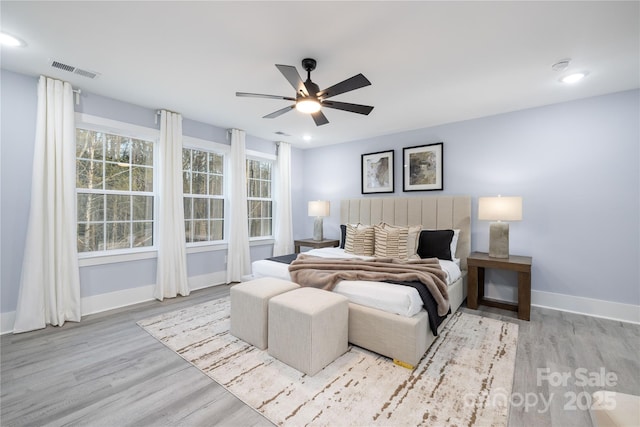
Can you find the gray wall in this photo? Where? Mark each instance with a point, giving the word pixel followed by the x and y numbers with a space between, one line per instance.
pixel 575 164
pixel 19 100
pixel 18 132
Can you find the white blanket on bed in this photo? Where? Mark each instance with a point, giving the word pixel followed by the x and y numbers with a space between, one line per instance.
pixel 402 300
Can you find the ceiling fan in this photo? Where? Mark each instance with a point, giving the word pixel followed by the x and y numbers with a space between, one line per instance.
pixel 310 99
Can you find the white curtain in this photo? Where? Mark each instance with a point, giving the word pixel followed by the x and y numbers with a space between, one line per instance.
pixel 283 230
pixel 50 281
pixel 171 277
pixel 239 258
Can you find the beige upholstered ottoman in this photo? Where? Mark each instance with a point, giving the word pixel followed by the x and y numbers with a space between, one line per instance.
pixel 250 308
pixel 611 409
pixel 308 328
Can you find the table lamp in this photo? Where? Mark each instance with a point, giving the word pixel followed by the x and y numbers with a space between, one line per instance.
pixel 319 209
pixel 499 209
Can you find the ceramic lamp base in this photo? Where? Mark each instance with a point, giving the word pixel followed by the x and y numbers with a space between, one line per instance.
pixel 499 240
pixel 317 229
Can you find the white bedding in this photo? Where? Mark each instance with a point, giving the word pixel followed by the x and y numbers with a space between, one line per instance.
pixel 402 300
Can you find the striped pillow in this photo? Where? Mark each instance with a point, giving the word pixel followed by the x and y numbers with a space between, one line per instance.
pixel 359 240
pixel 391 242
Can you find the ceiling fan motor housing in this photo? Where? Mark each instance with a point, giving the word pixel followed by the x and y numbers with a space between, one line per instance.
pixel 308 64
pixel 312 88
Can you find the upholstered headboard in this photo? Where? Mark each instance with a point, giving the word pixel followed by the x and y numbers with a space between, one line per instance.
pixel 432 212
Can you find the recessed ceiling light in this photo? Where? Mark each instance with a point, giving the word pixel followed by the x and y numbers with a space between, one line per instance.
pixel 9 40
pixel 573 78
pixel 307 137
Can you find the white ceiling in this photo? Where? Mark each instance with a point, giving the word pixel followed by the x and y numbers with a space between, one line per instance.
pixel 429 62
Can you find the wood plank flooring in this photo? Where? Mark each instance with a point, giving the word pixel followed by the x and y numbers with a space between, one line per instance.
pixel 107 371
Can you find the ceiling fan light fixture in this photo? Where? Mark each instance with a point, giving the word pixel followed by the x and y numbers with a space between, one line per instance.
pixel 308 105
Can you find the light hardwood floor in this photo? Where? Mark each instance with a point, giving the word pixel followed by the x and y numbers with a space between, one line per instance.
pixel 107 371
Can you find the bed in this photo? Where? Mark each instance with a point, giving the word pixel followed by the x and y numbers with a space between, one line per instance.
pixel 401 336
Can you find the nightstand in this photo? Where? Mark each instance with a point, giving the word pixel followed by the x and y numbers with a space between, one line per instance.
pixel 478 261
pixel 325 243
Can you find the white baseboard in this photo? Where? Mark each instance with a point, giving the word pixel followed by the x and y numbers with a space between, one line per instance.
pixel 7 319
pixel 207 280
pixel 589 306
pixel 112 300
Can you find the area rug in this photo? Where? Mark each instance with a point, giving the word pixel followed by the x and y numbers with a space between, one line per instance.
pixel 464 379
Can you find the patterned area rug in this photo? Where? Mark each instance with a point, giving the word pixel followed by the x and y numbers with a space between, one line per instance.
pixel 464 379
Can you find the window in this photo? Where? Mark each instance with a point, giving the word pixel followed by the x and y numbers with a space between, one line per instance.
pixel 259 179
pixel 114 189
pixel 203 188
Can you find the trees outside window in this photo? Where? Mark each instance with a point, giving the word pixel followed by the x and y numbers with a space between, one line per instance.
pixel 259 197
pixel 115 191
pixel 203 189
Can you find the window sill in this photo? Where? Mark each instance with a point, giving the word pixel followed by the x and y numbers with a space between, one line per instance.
pixel 261 241
pixel 89 260
pixel 100 259
pixel 206 247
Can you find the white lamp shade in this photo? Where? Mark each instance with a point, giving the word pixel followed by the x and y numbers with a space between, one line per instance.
pixel 319 208
pixel 500 208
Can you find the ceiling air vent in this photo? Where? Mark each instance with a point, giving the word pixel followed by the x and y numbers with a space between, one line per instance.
pixel 85 73
pixel 65 67
pixel 281 133
pixel 71 69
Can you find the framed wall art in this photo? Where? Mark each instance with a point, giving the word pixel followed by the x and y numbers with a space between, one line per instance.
pixel 377 172
pixel 422 167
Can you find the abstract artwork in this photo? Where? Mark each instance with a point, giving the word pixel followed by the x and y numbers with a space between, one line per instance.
pixel 422 168
pixel 377 172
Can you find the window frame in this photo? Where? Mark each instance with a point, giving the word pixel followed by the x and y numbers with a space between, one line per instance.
pixel 271 158
pixel 99 124
pixel 214 147
pixel 96 123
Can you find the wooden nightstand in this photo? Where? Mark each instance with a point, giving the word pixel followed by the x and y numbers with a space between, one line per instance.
pixel 326 243
pixel 478 261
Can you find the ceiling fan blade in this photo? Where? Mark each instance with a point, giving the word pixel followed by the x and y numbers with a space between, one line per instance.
pixel 353 108
pixel 279 112
pixel 319 118
pixel 260 95
pixel 353 83
pixel 291 74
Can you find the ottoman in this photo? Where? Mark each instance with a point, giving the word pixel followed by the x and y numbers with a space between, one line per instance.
pixel 308 328
pixel 250 308
pixel 611 409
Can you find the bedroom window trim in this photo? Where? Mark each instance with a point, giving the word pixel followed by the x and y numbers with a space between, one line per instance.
pixel 113 127
pixel 271 159
pixel 192 143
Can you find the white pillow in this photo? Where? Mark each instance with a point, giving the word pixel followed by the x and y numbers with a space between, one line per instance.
pixel 454 245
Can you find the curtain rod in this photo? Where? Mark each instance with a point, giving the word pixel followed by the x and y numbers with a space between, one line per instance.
pixel 158 112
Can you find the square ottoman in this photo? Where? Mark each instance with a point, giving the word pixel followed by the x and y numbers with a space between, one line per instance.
pixel 612 409
pixel 250 308
pixel 308 328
